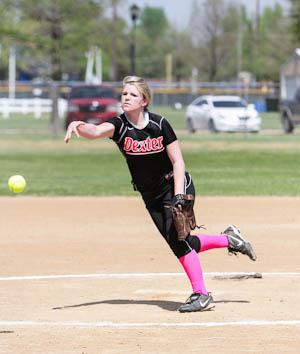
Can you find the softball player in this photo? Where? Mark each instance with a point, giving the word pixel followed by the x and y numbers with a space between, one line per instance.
pixel 156 165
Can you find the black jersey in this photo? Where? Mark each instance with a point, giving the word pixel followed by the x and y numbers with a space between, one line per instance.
pixel 145 151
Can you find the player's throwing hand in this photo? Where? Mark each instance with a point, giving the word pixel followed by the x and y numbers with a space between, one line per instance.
pixel 72 128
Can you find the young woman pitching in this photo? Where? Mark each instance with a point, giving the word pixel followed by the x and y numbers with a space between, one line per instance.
pixel 156 165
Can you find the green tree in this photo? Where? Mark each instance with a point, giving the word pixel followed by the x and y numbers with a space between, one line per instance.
pixel 152 45
pixel 226 40
pixel 180 47
pixel 50 35
pixel 295 23
pixel 154 22
pixel 112 32
pixel 274 31
pixel 266 48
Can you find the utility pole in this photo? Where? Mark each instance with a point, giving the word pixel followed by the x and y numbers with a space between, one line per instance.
pixel 239 42
pixel 257 22
pixel 12 73
pixel 134 13
pixel 98 63
pixel 194 87
pixel 257 33
pixel 169 67
pixel 113 68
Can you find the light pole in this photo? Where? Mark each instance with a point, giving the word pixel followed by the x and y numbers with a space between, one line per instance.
pixel 134 13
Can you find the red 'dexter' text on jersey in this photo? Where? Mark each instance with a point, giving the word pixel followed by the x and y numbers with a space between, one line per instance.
pixel 148 146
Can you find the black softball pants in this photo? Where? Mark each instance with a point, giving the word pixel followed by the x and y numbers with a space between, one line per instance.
pixel 163 220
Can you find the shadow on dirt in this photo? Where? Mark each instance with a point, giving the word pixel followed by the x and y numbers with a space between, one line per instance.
pixel 165 305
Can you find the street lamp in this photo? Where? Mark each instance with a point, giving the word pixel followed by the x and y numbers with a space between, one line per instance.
pixel 134 13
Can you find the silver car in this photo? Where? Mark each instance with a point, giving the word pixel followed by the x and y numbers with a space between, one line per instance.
pixel 222 114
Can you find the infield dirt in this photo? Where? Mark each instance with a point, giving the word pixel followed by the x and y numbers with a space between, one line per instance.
pixel 66 236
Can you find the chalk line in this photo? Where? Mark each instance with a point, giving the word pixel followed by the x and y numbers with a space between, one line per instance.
pixel 140 275
pixel 126 325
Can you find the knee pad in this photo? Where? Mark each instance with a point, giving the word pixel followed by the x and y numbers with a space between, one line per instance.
pixel 194 242
pixel 182 248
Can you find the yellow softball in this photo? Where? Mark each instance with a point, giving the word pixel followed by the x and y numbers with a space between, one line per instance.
pixel 16 184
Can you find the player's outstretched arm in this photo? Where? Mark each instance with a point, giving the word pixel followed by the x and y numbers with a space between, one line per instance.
pixel 89 131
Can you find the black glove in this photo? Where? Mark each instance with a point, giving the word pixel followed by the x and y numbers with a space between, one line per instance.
pixel 177 200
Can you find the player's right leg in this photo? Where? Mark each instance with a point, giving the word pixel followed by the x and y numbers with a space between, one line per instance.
pixel 187 256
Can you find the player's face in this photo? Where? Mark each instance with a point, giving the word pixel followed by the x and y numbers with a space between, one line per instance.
pixel 132 99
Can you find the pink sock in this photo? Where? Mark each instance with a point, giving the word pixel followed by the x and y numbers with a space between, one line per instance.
pixel 192 267
pixel 212 241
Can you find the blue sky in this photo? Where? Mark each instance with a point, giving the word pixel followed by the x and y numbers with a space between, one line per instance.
pixel 178 11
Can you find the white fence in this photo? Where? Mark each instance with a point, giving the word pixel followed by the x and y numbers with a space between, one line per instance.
pixel 35 106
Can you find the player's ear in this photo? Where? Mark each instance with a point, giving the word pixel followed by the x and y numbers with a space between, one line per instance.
pixel 145 102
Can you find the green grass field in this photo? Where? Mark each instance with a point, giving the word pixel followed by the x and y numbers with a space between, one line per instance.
pixel 267 163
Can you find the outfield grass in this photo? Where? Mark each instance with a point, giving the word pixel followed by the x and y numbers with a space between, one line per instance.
pixel 221 164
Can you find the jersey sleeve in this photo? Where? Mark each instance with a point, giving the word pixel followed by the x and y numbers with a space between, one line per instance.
pixel 168 133
pixel 119 126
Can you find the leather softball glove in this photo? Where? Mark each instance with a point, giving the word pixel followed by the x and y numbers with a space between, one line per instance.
pixel 183 214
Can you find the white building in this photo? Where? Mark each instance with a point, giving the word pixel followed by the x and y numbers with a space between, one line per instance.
pixel 290 76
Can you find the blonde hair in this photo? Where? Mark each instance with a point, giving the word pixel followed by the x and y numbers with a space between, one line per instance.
pixel 141 85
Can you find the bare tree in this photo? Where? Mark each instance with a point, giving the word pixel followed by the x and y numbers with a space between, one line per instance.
pixel 210 35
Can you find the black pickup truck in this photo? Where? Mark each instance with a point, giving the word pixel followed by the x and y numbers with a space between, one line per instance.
pixel 290 113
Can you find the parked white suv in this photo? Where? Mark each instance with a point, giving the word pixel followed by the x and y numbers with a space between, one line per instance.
pixel 222 114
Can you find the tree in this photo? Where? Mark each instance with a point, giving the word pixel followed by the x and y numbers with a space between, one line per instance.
pixel 295 16
pixel 226 40
pixel 152 44
pixel 52 39
pixel 274 32
pixel 50 33
pixel 213 29
pixel 273 47
pixel 111 33
pixel 154 22
pixel 181 49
